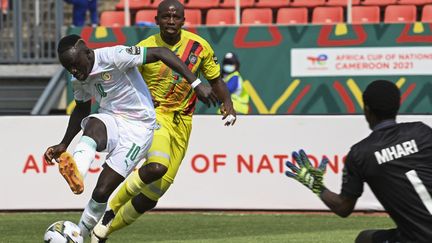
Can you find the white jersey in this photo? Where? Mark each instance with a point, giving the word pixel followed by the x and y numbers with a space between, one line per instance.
pixel 117 85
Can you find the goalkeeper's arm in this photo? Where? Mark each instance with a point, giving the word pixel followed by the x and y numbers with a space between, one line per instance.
pixel 338 204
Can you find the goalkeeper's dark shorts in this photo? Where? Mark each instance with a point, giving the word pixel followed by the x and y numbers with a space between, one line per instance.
pixel 388 236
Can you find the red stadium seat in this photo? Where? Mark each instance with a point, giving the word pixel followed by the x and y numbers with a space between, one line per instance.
pixel 327 15
pixel 145 17
pixel 400 14
pixel 202 4
pixel 193 17
pixel 133 4
pixel 427 14
pixel 292 16
pixel 415 2
pixel 307 3
pixel 155 3
pixel 220 16
pixel 257 16
pixel 378 2
pixel 272 3
pixel 341 2
pixel 231 3
pixel 112 18
pixel 365 14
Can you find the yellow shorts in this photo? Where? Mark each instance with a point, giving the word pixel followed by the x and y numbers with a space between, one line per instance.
pixel 170 142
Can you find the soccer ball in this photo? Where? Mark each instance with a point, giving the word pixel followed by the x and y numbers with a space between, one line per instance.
pixel 63 232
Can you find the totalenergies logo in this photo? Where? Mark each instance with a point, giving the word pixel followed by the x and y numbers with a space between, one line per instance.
pixel 319 60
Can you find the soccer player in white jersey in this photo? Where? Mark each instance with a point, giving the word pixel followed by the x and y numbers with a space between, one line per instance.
pixel 124 124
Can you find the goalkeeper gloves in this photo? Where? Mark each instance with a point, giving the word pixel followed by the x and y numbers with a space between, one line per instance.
pixel 306 174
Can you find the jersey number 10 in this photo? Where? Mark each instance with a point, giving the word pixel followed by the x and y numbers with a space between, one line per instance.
pixel 420 188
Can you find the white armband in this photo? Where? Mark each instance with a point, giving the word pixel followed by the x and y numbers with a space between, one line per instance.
pixel 195 83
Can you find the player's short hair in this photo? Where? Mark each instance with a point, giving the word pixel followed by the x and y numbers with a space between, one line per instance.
pixel 383 98
pixel 67 43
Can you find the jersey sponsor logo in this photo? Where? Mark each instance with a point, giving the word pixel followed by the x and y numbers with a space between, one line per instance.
pixel 193 58
pixel 133 50
pixel 397 151
pixel 106 76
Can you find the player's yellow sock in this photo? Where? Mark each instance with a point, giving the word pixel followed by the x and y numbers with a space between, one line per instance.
pixel 125 216
pixel 130 188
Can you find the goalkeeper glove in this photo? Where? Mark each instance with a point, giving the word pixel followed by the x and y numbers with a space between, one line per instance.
pixel 306 174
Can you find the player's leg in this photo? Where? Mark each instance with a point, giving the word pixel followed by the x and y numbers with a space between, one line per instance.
pixel 107 182
pixel 379 236
pixel 74 168
pixel 158 159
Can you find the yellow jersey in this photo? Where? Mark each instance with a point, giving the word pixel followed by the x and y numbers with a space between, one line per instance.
pixel 172 91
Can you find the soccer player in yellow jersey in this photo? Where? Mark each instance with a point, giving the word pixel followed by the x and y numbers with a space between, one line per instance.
pixel 175 101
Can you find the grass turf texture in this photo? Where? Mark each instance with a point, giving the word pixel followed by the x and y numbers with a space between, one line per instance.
pixel 206 227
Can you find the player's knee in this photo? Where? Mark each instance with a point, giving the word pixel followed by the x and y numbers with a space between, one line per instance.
pixel 152 172
pixel 143 204
pixel 364 237
pixel 96 129
pixel 101 193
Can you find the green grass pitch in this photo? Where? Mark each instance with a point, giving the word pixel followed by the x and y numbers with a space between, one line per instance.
pixel 222 227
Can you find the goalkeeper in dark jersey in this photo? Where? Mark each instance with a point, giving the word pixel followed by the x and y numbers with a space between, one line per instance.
pixel 395 160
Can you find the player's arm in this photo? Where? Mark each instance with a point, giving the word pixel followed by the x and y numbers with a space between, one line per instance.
pixel 223 94
pixel 82 109
pixel 203 92
pixel 337 203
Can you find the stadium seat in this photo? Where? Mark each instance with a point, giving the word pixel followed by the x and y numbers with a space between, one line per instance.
pixel 231 3
pixel 427 14
pixel 145 17
pixel 133 4
pixel 378 2
pixel 400 14
pixel 220 16
pixel 272 3
pixel 257 16
pixel 155 3
pixel 292 16
pixel 327 15
pixel 365 14
pixel 341 2
pixel 415 2
pixel 202 4
pixel 112 19
pixel 307 3
pixel 193 17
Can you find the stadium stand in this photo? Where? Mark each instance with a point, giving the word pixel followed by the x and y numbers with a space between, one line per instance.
pixel 193 17
pixel 427 14
pixel 133 4
pixel 307 3
pixel 292 16
pixel 202 4
pixel 400 14
pixel 341 2
pixel 365 14
pixel 231 3
pixel 327 15
pixel 415 2
pixel 220 17
pixel 257 16
pixel 112 18
pixel 378 2
pixel 272 3
pixel 145 17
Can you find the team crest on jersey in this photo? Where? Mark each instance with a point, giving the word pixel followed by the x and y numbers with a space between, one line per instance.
pixel 193 58
pixel 215 59
pixel 106 76
pixel 133 50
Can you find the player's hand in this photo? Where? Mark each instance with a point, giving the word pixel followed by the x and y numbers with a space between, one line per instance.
pixel 306 174
pixel 205 93
pixel 228 114
pixel 54 152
